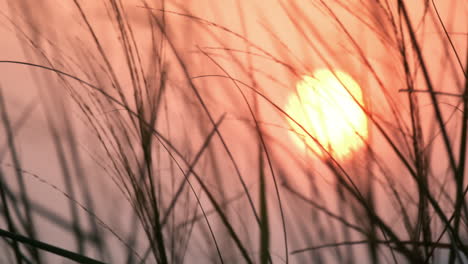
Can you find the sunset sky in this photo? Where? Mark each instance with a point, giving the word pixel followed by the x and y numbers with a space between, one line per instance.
pixel 263 71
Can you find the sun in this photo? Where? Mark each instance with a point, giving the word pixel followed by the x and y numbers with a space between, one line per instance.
pixel 328 105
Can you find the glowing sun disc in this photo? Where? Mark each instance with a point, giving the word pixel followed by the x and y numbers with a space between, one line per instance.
pixel 329 112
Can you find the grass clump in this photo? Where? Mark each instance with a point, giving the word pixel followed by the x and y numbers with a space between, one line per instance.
pixel 167 138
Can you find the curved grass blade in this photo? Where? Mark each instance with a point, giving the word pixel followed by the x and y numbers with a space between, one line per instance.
pixel 49 248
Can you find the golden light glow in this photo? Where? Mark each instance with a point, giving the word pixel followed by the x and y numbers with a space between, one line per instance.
pixel 327 110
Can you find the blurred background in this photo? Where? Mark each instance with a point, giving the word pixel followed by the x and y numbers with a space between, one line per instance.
pixel 158 131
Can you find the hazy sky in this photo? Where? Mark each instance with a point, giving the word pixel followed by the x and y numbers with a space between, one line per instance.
pixel 281 35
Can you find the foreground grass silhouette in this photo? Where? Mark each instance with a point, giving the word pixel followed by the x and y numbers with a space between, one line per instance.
pixel 185 118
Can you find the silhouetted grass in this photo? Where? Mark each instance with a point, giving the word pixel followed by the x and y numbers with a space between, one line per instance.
pixel 184 117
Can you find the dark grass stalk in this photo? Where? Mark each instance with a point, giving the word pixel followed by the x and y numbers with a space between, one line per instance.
pixel 212 200
pixel 361 54
pixel 174 236
pixel 222 190
pixel 331 161
pixel 157 229
pixel 63 160
pixel 198 217
pixel 434 92
pixel 449 39
pixel 433 202
pixel 190 171
pixel 208 23
pixel 366 62
pixel 79 173
pixel 92 214
pixel 9 220
pixel 16 209
pixel 29 224
pixel 331 215
pixel 86 108
pixel 386 230
pixel 460 202
pixel 265 149
pixel 146 141
pixel 371 160
pixel 444 230
pixel 422 224
pixel 49 248
pixel 200 99
pixel 159 137
pixel 254 113
pixel 61 153
pixel 102 53
pixel 461 166
pixel 85 19
pixel 342 204
pixel 370 168
pixel 447 246
pixel 146 145
pixel 264 223
pixel 23 257
pixel 302 224
pixel 224 219
pixel 189 236
pixel 45 213
pixel 371 235
pixel 209 115
pixel 83 184
pixel 448 145
pixel 323 209
pixel 68 180
pixel 191 168
pixel 373 227
pixel 149 196
pixel 18 125
pixel 435 103
pixel 322 233
pixel 340 172
pixel 132 238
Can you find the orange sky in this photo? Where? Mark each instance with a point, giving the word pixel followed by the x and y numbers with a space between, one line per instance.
pixel 263 23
